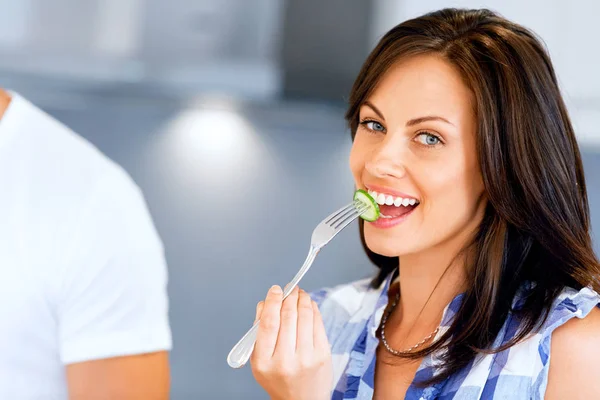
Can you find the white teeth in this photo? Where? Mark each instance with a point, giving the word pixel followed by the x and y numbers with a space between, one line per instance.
pixel 383 199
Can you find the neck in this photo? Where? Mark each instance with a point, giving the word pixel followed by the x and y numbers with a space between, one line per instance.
pixel 4 102
pixel 429 280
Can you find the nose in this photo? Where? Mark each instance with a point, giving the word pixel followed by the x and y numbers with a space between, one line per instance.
pixel 386 164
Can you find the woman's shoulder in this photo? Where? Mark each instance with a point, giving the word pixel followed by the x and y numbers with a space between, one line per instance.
pixel 572 326
pixel 568 344
pixel 571 309
pixel 570 304
pixel 572 343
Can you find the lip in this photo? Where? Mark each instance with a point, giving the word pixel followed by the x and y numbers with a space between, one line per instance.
pixel 390 191
pixel 386 223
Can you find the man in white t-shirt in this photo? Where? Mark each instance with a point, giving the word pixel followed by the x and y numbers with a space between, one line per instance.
pixel 83 303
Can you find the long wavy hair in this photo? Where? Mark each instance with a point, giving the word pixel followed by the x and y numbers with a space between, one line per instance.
pixel 536 227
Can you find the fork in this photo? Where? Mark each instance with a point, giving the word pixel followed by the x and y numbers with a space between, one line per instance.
pixel 322 234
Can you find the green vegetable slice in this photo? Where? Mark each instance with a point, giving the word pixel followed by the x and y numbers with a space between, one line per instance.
pixel 372 212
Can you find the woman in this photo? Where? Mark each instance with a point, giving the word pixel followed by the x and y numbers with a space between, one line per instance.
pixel 486 264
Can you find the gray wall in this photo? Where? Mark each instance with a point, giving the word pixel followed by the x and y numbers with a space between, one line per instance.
pixel 201 31
pixel 591 164
pixel 324 46
pixel 175 45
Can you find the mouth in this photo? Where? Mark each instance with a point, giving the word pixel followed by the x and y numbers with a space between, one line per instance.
pixel 393 209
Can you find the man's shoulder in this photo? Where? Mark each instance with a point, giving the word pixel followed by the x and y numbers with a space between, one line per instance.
pixel 55 160
pixel 54 145
pixel 63 181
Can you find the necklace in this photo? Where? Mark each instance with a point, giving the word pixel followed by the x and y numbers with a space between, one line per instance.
pixel 385 343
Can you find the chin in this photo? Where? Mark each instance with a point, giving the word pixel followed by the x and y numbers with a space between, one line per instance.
pixel 385 246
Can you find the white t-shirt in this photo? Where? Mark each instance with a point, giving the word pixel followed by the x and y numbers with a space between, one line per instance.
pixel 82 268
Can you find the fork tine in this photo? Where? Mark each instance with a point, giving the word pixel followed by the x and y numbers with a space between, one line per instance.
pixel 343 222
pixel 343 215
pixel 338 212
pixel 350 214
pixel 357 205
pixel 362 208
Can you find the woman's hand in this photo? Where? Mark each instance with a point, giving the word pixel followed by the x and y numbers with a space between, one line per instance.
pixel 292 358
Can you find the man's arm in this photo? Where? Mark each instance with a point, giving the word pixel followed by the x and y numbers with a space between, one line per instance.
pixel 112 304
pixel 144 377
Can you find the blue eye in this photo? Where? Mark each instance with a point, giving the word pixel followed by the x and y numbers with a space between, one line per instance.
pixel 373 126
pixel 428 139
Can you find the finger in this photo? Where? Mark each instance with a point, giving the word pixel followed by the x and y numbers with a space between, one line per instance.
pixel 268 328
pixel 304 339
pixel 320 342
pixel 286 341
pixel 259 308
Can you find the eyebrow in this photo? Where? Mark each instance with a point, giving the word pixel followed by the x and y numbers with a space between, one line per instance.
pixel 412 122
pixel 375 109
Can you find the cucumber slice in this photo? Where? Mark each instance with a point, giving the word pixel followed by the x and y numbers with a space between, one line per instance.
pixel 365 198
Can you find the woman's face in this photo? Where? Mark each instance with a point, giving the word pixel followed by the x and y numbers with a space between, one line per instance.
pixel 415 150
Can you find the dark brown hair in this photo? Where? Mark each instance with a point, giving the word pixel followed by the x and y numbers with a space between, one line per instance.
pixel 536 226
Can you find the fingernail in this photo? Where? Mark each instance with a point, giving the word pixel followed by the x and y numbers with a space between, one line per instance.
pixel 275 289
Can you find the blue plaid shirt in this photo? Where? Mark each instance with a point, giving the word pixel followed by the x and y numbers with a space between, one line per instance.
pixel 352 314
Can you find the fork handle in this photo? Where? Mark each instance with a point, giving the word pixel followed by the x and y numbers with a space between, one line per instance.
pixel 240 353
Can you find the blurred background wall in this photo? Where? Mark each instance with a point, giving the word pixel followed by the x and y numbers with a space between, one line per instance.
pixel 229 116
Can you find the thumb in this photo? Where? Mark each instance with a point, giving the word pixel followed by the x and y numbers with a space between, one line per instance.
pixel 259 309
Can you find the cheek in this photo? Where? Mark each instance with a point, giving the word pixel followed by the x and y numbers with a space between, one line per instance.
pixel 455 190
pixel 357 161
pixel 438 184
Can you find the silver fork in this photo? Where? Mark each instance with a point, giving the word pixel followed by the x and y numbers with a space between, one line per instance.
pixel 322 234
